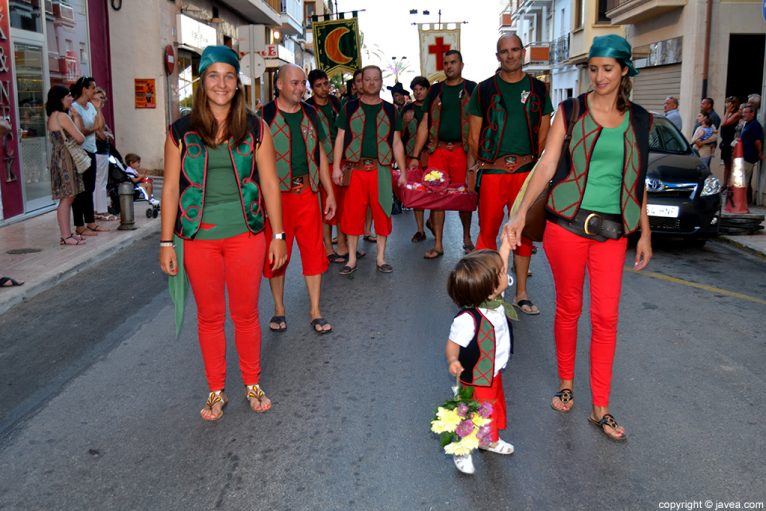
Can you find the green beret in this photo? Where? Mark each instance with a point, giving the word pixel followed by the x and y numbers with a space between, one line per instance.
pixel 213 54
pixel 615 47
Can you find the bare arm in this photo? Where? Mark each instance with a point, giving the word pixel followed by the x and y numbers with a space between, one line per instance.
pixel 324 178
pixel 169 210
pixel 452 351
pixel 420 140
pixel 267 172
pixel 78 122
pixel 337 155
pixel 67 125
pixel 474 129
pixel 542 136
pixel 399 156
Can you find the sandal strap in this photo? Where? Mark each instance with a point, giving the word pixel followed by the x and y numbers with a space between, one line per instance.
pixel 608 420
pixel 213 399
pixel 254 392
pixel 564 395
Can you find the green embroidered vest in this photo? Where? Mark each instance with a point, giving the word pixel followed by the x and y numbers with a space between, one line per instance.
pixel 434 114
pixel 281 136
pixel 409 129
pixel 495 116
pixel 193 153
pixel 478 358
pixel 327 124
pixel 572 172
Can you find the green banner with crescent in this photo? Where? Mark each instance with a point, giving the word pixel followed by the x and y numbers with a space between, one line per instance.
pixel 336 45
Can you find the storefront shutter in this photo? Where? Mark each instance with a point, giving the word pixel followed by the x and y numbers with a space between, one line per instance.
pixel 654 84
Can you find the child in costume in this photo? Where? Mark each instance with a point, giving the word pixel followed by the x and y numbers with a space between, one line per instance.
pixel 481 337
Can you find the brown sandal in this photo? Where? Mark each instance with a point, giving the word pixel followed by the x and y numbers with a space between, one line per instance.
pixel 257 398
pixel 566 396
pixel 608 420
pixel 212 400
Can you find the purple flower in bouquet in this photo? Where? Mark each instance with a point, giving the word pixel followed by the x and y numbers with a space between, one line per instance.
pixel 485 409
pixel 465 428
pixel 484 436
pixel 462 409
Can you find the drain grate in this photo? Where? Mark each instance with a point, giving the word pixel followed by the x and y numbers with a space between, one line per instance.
pixel 19 251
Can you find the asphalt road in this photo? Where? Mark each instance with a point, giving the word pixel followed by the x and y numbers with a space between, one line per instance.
pixel 100 400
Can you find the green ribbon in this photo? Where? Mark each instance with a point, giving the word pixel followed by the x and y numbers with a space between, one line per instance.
pixel 178 285
pixel 497 302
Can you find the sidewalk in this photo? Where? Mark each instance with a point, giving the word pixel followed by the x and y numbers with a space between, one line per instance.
pixel 37 259
pixel 755 243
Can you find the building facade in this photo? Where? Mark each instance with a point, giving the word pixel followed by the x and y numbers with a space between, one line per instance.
pixel 42 43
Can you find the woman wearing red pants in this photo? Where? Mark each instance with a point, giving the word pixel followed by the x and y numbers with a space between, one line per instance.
pixel 597 198
pixel 219 171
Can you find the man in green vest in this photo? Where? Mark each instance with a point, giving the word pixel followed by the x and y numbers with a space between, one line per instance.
pixel 510 115
pixel 368 142
pixel 443 132
pixel 328 107
pixel 301 160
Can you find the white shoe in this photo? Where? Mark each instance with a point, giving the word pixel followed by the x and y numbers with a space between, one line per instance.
pixel 464 463
pixel 500 447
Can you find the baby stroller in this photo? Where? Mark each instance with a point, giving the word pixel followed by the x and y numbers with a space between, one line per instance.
pixel 121 173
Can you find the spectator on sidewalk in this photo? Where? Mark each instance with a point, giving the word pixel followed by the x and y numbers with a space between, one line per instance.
pixel 704 139
pixel 104 139
pixel 731 117
pixel 706 107
pixel 752 142
pixel 671 111
pixel 66 182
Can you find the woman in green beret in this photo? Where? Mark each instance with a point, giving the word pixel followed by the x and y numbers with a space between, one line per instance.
pixel 219 174
pixel 595 160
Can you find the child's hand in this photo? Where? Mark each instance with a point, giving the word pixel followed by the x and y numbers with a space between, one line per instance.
pixel 455 368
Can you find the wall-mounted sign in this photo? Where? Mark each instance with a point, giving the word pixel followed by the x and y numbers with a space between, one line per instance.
pixel 191 32
pixel 169 59
pixel 145 93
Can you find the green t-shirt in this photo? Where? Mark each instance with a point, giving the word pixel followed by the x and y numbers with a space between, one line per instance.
pixel 328 112
pixel 515 133
pixel 222 216
pixel 369 142
pixel 298 160
pixel 449 124
pixel 602 189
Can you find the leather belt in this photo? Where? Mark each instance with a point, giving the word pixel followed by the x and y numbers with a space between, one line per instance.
pixel 365 165
pixel 449 146
pixel 592 225
pixel 509 163
pixel 297 184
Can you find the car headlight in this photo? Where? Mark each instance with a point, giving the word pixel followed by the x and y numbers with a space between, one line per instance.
pixel 712 186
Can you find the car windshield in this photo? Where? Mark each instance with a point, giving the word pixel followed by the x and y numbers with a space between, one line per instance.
pixel 665 138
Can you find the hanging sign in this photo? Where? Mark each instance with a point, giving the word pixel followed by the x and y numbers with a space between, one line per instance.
pixel 336 44
pixel 435 41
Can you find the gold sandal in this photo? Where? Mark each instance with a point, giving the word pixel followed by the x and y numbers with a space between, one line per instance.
pixel 254 392
pixel 213 399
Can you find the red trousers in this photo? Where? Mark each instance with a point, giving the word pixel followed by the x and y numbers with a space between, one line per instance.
pixel 454 163
pixel 498 192
pixel 302 221
pixel 235 264
pixel 339 192
pixel 361 193
pixel 496 397
pixel 569 255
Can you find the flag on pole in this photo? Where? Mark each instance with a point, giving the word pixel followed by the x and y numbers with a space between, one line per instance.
pixel 336 45
pixel 435 41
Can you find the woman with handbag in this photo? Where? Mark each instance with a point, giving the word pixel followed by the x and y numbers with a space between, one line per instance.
pixel 66 182
pixel 596 200
pixel 220 169
pixel 85 117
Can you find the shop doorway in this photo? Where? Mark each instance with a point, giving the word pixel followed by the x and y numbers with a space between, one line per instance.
pixel 745 68
pixel 29 74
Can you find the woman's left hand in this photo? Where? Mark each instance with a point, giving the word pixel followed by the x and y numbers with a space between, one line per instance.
pixel 643 252
pixel 277 254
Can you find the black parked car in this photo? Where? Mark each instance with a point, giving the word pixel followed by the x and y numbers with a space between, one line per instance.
pixel 684 198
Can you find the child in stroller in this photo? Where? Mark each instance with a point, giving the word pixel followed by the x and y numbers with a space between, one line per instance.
pixel 120 173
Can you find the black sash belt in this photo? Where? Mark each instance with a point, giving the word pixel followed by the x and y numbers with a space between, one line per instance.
pixel 592 225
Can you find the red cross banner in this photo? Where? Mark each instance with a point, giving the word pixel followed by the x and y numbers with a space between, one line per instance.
pixel 435 41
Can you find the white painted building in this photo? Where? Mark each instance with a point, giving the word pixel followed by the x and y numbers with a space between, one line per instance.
pixel 564 76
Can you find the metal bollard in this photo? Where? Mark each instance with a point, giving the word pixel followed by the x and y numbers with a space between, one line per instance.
pixel 127 214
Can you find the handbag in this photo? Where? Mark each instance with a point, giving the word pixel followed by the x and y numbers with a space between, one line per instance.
pixel 80 158
pixel 534 227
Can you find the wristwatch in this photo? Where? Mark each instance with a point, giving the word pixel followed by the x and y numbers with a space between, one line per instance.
pixel 279 236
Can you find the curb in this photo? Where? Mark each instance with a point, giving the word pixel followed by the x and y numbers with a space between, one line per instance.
pixel 27 291
pixel 742 246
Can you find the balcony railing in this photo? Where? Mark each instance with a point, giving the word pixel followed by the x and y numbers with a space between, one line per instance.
pixel 624 12
pixel 560 50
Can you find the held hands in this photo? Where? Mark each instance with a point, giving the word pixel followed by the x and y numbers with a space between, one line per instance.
pixel 455 368
pixel 277 254
pixel 512 230
pixel 643 252
pixel 168 261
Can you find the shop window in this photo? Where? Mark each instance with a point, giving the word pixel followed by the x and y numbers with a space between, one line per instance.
pixel 188 64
